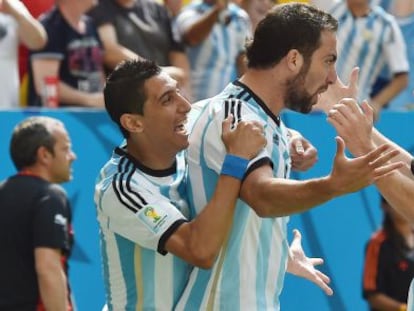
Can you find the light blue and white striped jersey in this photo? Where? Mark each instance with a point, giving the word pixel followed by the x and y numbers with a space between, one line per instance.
pixel 370 42
pixel 138 209
pixel 249 271
pixel 404 101
pixel 213 62
pixel 410 303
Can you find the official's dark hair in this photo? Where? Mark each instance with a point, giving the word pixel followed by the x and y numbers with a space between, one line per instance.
pixel 27 137
pixel 124 89
pixel 288 26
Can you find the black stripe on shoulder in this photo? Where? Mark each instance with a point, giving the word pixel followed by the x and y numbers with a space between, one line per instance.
pixel 238 107
pixel 166 235
pixel 226 108
pixel 122 188
pixel 257 164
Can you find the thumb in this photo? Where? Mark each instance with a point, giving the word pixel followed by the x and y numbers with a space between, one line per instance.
pixel 368 110
pixel 340 147
pixel 297 237
pixel 353 80
pixel 297 234
pixel 226 124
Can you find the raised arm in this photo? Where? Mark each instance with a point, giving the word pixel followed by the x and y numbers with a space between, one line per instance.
pixel 198 30
pixel 271 197
pixel 355 126
pixel 31 32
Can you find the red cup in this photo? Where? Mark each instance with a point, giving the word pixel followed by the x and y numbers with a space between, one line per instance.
pixel 51 99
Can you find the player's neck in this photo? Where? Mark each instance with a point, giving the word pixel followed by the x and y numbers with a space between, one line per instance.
pixel 151 158
pixel 265 85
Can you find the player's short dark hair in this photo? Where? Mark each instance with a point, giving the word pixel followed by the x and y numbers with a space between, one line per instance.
pixel 286 27
pixel 124 89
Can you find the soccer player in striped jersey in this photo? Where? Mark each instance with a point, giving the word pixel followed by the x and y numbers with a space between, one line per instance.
pixel 291 60
pixel 148 240
pixel 215 32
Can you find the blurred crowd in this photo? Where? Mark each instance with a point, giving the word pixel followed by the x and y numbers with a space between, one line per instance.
pixel 58 53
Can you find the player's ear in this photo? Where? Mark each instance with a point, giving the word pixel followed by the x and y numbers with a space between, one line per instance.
pixel 294 60
pixel 132 122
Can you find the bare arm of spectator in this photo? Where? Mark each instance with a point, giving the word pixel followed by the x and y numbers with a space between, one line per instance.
pixel 73 96
pixel 403 8
pixel 398 83
pixel 31 32
pixel 51 278
pixel 43 67
pixel 199 30
pixel 114 52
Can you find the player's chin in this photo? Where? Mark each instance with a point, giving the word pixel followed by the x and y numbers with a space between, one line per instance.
pixel 183 143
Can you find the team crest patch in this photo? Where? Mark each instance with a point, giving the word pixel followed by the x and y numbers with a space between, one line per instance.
pixel 153 216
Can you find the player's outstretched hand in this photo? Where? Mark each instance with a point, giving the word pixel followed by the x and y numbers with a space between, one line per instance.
pixel 350 175
pixel 301 265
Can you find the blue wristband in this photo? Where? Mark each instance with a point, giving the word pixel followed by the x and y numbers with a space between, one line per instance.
pixel 234 166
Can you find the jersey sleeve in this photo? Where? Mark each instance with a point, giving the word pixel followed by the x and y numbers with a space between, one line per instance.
pixel 52 220
pixel 186 19
pixel 212 148
pixel 140 216
pixel 395 50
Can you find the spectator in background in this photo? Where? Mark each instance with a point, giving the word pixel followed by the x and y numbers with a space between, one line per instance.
pixel 389 262
pixel 403 10
pixel 140 28
pixel 173 7
pixel 215 34
pixel 73 54
pixel 370 38
pixel 35 226
pixel 17 25
pixel 36 8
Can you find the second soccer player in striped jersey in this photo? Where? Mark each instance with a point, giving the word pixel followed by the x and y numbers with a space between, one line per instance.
pixel 291 61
